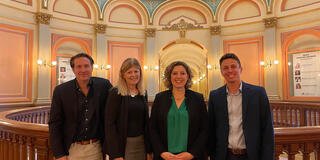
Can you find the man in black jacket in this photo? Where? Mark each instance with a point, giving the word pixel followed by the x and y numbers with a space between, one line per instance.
pixel 76 117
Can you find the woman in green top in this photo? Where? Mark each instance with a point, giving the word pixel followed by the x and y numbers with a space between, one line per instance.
pixel 178 123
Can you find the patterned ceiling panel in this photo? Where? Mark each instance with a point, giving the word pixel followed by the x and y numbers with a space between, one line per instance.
pixel 152 5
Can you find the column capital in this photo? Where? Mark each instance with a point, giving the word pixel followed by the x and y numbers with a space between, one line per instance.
pixel 100 28
pixel 270 22
pixel 215 30
pixel 150 32
pixel 43 18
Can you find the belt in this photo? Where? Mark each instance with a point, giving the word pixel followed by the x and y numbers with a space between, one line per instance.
pixel 87 142
pixel 237 151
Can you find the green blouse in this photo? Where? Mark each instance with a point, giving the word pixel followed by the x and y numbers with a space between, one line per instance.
pixel 178 125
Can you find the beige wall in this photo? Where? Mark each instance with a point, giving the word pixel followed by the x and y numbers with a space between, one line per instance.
pixel 242 31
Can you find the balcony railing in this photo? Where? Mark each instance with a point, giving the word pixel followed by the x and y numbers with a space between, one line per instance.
pixel 24 132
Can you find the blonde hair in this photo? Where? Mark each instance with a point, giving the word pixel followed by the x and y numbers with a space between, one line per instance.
pixel 122 85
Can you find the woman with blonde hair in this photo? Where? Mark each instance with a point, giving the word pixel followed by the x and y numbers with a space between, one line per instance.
pixel 126 118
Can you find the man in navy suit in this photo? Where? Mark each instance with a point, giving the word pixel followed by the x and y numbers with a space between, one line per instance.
pixel 240 120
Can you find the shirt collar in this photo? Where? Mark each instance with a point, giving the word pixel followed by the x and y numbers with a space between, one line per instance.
pixel 240 89
pixel 88 86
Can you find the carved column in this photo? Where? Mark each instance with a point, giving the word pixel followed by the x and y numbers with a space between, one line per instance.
pixel 44 47
pixel 152 76
pixel 213 59
pixel 270 54
pixel 102 57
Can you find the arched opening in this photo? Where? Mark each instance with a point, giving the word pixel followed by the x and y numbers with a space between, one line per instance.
pixel 191 53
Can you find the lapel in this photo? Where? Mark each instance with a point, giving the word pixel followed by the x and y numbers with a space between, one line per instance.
pixel 245 90
pixel 224 103
pixel 74 98
pixel 168 104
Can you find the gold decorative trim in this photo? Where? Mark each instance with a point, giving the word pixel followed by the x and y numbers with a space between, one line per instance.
pixel 182 25
pixel 150 32
pixel 100 28
pixel 43 18
pixel 215 30
pixel 270 22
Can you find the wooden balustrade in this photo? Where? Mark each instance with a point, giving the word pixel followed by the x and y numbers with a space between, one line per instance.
pixel 24 132
pixel 295 114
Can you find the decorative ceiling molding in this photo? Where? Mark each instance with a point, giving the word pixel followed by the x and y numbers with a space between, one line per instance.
pixel 182 25
pixel 270 22
pixel 215 30
pixel 43 18
pixel 100 28
pixel 152 5
pixel 150 32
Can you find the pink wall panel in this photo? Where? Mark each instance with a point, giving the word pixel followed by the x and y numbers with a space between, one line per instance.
pixel 118 52
pixel 15 72
pixel 250 54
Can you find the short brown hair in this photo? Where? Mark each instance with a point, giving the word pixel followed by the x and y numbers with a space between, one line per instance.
pixel 230 55
pixel 167 74
pixel 81 55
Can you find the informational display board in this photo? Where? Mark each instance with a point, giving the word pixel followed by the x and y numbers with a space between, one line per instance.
pixel 64 71
pixel 306 74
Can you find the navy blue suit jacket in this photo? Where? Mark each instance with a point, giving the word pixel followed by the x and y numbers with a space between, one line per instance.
pixel 256 123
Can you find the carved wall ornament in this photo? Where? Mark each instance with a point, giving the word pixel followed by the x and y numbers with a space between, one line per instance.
pixel 182 33
pixel 270 22
pixel 150 32
pixel 100 28
pixel 182 25
pixel 215 30
pixel 43 18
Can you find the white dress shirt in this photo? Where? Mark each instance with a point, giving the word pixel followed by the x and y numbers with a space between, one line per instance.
pixel 236 137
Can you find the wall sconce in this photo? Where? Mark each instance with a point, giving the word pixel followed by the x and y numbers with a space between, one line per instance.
pixel 268 63
pixel 46 63
pixel 151 68
pixel 102 67
pixel 199 79
pixel 215 66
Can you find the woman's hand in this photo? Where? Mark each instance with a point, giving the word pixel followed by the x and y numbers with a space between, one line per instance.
pixel 168 156
pixel 120 158
pixel 185 156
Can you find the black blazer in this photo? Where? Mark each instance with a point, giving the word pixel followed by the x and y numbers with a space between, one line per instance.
pixel 116 124
pixel 64 113
pixel 197 135
pixel 256 123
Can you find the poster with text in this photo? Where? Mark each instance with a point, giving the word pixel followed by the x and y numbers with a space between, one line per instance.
pixel 306 74
pixel 64 70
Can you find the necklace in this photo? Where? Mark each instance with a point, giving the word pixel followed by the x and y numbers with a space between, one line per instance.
pixel 132 93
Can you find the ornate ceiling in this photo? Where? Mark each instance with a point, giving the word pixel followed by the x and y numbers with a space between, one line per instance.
pixel 152 5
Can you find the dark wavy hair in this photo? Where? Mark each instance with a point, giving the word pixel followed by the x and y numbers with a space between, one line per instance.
pixel 168 71
pixel 81 55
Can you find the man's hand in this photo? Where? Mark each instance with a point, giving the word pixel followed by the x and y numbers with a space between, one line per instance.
pixel 62 158
pixel 185 156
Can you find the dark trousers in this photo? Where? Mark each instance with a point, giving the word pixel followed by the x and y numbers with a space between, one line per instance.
pixel 231 156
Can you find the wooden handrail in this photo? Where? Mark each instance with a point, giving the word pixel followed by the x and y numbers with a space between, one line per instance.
pixel 24 132
pixel 23 140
